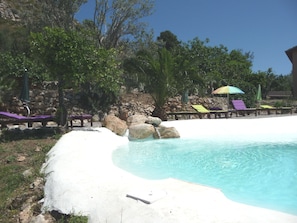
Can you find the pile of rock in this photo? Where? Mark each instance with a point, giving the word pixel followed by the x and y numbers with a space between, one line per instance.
pixel 139 127
pixel 44 99
pixel 137 103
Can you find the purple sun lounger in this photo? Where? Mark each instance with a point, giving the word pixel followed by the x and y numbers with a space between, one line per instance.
pixel 10 118
pixel 241 109
pixel 81 118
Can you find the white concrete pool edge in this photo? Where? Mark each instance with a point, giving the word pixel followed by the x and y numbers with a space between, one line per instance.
pixel 82 179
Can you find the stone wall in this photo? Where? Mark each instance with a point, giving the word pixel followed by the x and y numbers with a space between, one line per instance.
pixel 137 103
pixel 43 100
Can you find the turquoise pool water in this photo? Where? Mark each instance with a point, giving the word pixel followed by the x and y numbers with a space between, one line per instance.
pixel 256 173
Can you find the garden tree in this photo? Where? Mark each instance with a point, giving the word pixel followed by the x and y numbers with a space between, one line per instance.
pixel 183 63
pixel 9 70
pixel 13 38
pixel 266 79
pixel 224 68
pixel 231 68
pixel 199 60
pixel 238 65
pixel 169 40
pixel 143 42
pixel 156 71
pixel 282 83
pixel 216 59
pixel 12 67
pixel 254 79
pixel 102 83
pixel 73 61
pixel 215 66
pixel 277 82
pixel 119 19
pixel 187 72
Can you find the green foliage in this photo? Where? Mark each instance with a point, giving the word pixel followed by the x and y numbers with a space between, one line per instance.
pixel 75 61
pixel 12 68
pixel 61 52
pixel 64 54
pixel 11 179
pixel 73 219
pixel 157 74
pixel 13 38
pixel 281 103
pixel 169 40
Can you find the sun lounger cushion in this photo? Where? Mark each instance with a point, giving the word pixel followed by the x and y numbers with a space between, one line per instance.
pixel 11 118
pixel 267 107
pixel 81 117
pixel 240 108
pixel 20 117
pixel 200 108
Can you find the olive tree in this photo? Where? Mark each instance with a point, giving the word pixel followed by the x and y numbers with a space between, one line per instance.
pixel 73 61
pixel 118 19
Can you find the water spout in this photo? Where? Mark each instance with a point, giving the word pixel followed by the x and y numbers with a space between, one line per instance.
pixel 158 133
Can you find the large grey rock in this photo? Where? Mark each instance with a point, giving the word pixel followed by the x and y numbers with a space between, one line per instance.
pixel 136 119
pixel 115 124
pixel 155 121
pixel 163 132
pixel 141 131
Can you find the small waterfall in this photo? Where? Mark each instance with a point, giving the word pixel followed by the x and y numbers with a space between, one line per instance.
pixel 158 133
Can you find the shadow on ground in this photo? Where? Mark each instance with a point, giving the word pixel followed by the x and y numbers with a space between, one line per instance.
pixel 38 133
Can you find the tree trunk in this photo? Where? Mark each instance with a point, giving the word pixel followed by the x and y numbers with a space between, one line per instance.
pixel 185 97
pixel 62 111
pixel 160 112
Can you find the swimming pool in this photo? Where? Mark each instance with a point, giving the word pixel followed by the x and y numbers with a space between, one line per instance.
pixel 253 167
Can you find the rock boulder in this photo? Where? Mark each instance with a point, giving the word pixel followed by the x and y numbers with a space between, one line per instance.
pixel 141 131
pixel 155 121
pixel 115 124
pixel 163 132
pixel 136 119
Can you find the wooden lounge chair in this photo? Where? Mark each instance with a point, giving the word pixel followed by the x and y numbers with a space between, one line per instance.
pixel 11 118
pixel 285 110
pixel 277 110
pixel 182 114
pixel 202 111
pixel 81 117
pixel 268 109
pixel 241 109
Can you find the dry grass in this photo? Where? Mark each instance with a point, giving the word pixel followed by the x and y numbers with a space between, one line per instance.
pixel 21 151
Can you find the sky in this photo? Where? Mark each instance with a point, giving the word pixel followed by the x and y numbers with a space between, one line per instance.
pixel 266 28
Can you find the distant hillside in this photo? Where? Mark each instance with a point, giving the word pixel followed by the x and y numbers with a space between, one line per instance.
pixel 21 10
pixel 9 10
pixel 36 14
